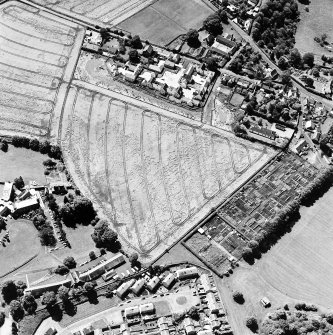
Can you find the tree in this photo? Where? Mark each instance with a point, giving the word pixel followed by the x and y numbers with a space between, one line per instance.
pixel 2 223
pixel 49 299
pixel 104 236
pixel 61 270
pixel 63 294
pixel 16 310
pixel 2 318
pixel 252 323
pixel 283 63
pixel 92 255
pixel 308 58
pixel 46 236
pixel 44 147
pixel 49 163
pixel 192 38
pixel 331 72
pixel 223 15
pixel 19 183
pixel 247 254
pixel 133 258
pixel 69 262
pixel 134 56
pixel 135 42
pixel 55 152
pixel 194 313
pixel 316 72
pixel 104 34
pixel 213 24
pixel 34 144
pixel 309 81
pixel 211 63
pixel 9 291
pixel 295 58
pixel 285 77
pixel 88 288
pixel 20 287
pixel 238 297
pixel 4 146
pixel 29 303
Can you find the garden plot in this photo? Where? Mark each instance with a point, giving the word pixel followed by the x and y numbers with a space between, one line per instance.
pixel 35 51
pixel 151 174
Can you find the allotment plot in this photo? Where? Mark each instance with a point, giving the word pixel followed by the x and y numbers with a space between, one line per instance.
pixel 37 54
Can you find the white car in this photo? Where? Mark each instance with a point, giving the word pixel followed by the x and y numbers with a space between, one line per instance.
pixel 265 302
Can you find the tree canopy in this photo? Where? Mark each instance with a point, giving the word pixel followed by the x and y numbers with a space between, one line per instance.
pixel 69 262
pixel 104 236
pixel 192 38
pixel 213 24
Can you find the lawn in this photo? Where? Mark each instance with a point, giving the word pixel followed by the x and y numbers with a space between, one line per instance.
pixel 314 23
pixel 22 162
pixel 164 20
pixel 23 245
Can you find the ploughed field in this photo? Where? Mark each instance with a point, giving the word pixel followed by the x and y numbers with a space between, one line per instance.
pixel 35 53
pixel 105 11
pixel 154 175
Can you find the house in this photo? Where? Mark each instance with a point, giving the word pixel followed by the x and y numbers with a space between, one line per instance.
pixel 169 64
pixel 211 303
pixel 189 327
pixel 132 311
pixel 108 49
pixel 205 282
pixel 147 308
pixel 123 289
pixel 148 50
pixel 186 273
pixel 168 280
pixel 138 286
pixel 264 132
pixel 153 283
pixel 232 10
pixel 309 125
pixel 300 146
pixel 157 68
pixel 315 137
pixel 189 71
pixel 7 192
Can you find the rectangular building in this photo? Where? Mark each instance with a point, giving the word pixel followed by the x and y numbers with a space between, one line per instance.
pixel 132 311
pixel 186 273
pixel 138 286
pixel 7 191
pixel 148 308
pixel 123 289
pixel 205 282
pixel 211 303
pixel 153 283
pixel 169 280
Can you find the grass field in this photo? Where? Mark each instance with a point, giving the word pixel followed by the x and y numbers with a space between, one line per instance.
pixel 23 245
pixel 36 56
pixel 151 174
pixel 314 23
pixel 164 20
pixel 22 162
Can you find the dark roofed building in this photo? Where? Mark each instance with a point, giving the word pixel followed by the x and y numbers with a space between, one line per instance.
pixel 225 41
pixel 50 331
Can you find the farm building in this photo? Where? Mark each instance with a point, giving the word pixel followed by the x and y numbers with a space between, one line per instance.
pixel 37 291
pixel 7 192
pixel 186 273
pixel 101 268
pixel 138 286
pixel 153 283
pixel 123 289
pixel 147 308
pixel 211 303
pixel 25 206
pixel 132 311
pixel 169 280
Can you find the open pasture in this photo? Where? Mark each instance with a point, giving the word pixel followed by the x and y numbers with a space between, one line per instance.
pixel 35 52
pixel 152 175
pixel 95 11
pixel 23 245
pixel 314 23
pixel 164 20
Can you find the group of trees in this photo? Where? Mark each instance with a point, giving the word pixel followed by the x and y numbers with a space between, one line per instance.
pixel 105 237
pixel 275 26
pixel 3 145
pixel 213 23
pixel 275 228
pixel 326 141
pixel 45 230
pixel 44 147
pixel 77 210
pixel 285 322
